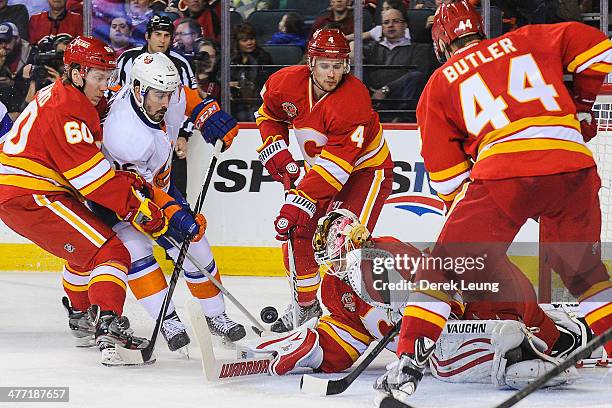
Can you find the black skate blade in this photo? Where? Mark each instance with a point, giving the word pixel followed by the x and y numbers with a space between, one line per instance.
pixel 390 402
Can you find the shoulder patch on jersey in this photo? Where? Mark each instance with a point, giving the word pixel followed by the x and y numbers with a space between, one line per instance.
pixel 290 109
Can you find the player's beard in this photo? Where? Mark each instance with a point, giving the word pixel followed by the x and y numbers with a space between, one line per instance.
pixel 159 115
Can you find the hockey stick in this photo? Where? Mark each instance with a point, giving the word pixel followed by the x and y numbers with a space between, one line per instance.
pixel 288 184
pixel 220 370
pixel 261 331
pixel 293 277
pixel 321 386
pixel 572 359
pixel 144 355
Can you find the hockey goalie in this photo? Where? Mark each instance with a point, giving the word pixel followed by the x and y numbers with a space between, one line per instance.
pixel 498 352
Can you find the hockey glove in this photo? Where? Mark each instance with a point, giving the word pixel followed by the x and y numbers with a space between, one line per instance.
pixel 296 212
pixel 147 217
pixel 183 224
pixel 585 89
pixel 588 125
pixel 214 123
pixel 137 181
pixel 275 156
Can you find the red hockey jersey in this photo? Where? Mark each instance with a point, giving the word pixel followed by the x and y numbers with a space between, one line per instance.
pixel 499 108
pixel 339 134
pixel 53 147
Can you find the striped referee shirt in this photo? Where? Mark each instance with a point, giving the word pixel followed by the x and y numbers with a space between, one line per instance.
pixel 126 60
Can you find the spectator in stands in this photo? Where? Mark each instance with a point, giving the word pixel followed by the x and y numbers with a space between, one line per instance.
pixel 376 32
pixel 186 33
pixel 33 6
pixel 340 13
pixel 56 21
pixel 395 49
pixel 208 14
pixel 205 68
pixel 290 31
pixel 103 13
pixel 45 65
pixel 139 13
pixel 17 50
pixel 17 14
pixel 246 81
pixel 12 86
pixel 120 35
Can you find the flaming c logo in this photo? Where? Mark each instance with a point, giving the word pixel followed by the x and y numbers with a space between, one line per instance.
pixel 312 149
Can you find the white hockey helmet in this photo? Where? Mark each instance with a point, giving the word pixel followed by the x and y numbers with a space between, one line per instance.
pixel 155 71
pixel 338 233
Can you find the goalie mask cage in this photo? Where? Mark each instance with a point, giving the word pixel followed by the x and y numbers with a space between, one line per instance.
pixel 550 287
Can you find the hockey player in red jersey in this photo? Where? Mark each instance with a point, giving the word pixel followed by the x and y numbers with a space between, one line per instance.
pixel 337 340
pixel 503 141
pixel 50 163
pixel 359 268
pixel 343 146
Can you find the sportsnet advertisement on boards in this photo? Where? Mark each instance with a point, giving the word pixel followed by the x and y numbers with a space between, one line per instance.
pixel 244 201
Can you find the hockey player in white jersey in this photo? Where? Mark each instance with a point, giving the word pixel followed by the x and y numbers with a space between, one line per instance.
pixel 140 131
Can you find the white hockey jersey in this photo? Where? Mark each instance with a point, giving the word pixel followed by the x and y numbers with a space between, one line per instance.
pixel 132 142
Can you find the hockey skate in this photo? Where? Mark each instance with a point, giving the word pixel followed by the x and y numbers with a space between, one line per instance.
pixel 174 332
pixel 80 325
pixel 112 330
pixel 403 376
pixel 225 327
pixel 285 322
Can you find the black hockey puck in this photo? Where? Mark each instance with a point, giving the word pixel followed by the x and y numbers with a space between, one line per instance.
pixel 269 314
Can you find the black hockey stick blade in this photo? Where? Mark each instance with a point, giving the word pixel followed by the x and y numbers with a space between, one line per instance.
pixel 321 386
pixel 390 402
pixel 571 360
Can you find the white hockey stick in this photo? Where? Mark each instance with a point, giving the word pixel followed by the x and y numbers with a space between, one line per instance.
pixel 220 370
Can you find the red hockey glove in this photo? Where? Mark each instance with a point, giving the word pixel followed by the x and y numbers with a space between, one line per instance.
pixel 276 158
pixel 137 181
pixel 588 125
pixel 147 217
pixel 296 212
pixel 584 92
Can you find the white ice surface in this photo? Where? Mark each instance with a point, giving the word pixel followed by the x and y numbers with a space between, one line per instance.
pixel 36 349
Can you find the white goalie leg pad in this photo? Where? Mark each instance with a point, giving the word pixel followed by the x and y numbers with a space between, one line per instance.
pixel 521 374
pixel 473 351
pixel 299 349
pixel 567 315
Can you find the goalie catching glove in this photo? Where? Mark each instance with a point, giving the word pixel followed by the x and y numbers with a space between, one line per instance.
pixel 276 158
pixel 296 212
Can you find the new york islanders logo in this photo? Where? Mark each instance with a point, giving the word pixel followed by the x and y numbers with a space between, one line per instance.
pixel 290 109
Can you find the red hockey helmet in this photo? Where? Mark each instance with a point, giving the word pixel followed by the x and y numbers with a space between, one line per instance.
pixel 89 52
pixel 452 21
pixel 330 44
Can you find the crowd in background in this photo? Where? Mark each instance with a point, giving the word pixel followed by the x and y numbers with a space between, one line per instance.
pixel 266 35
